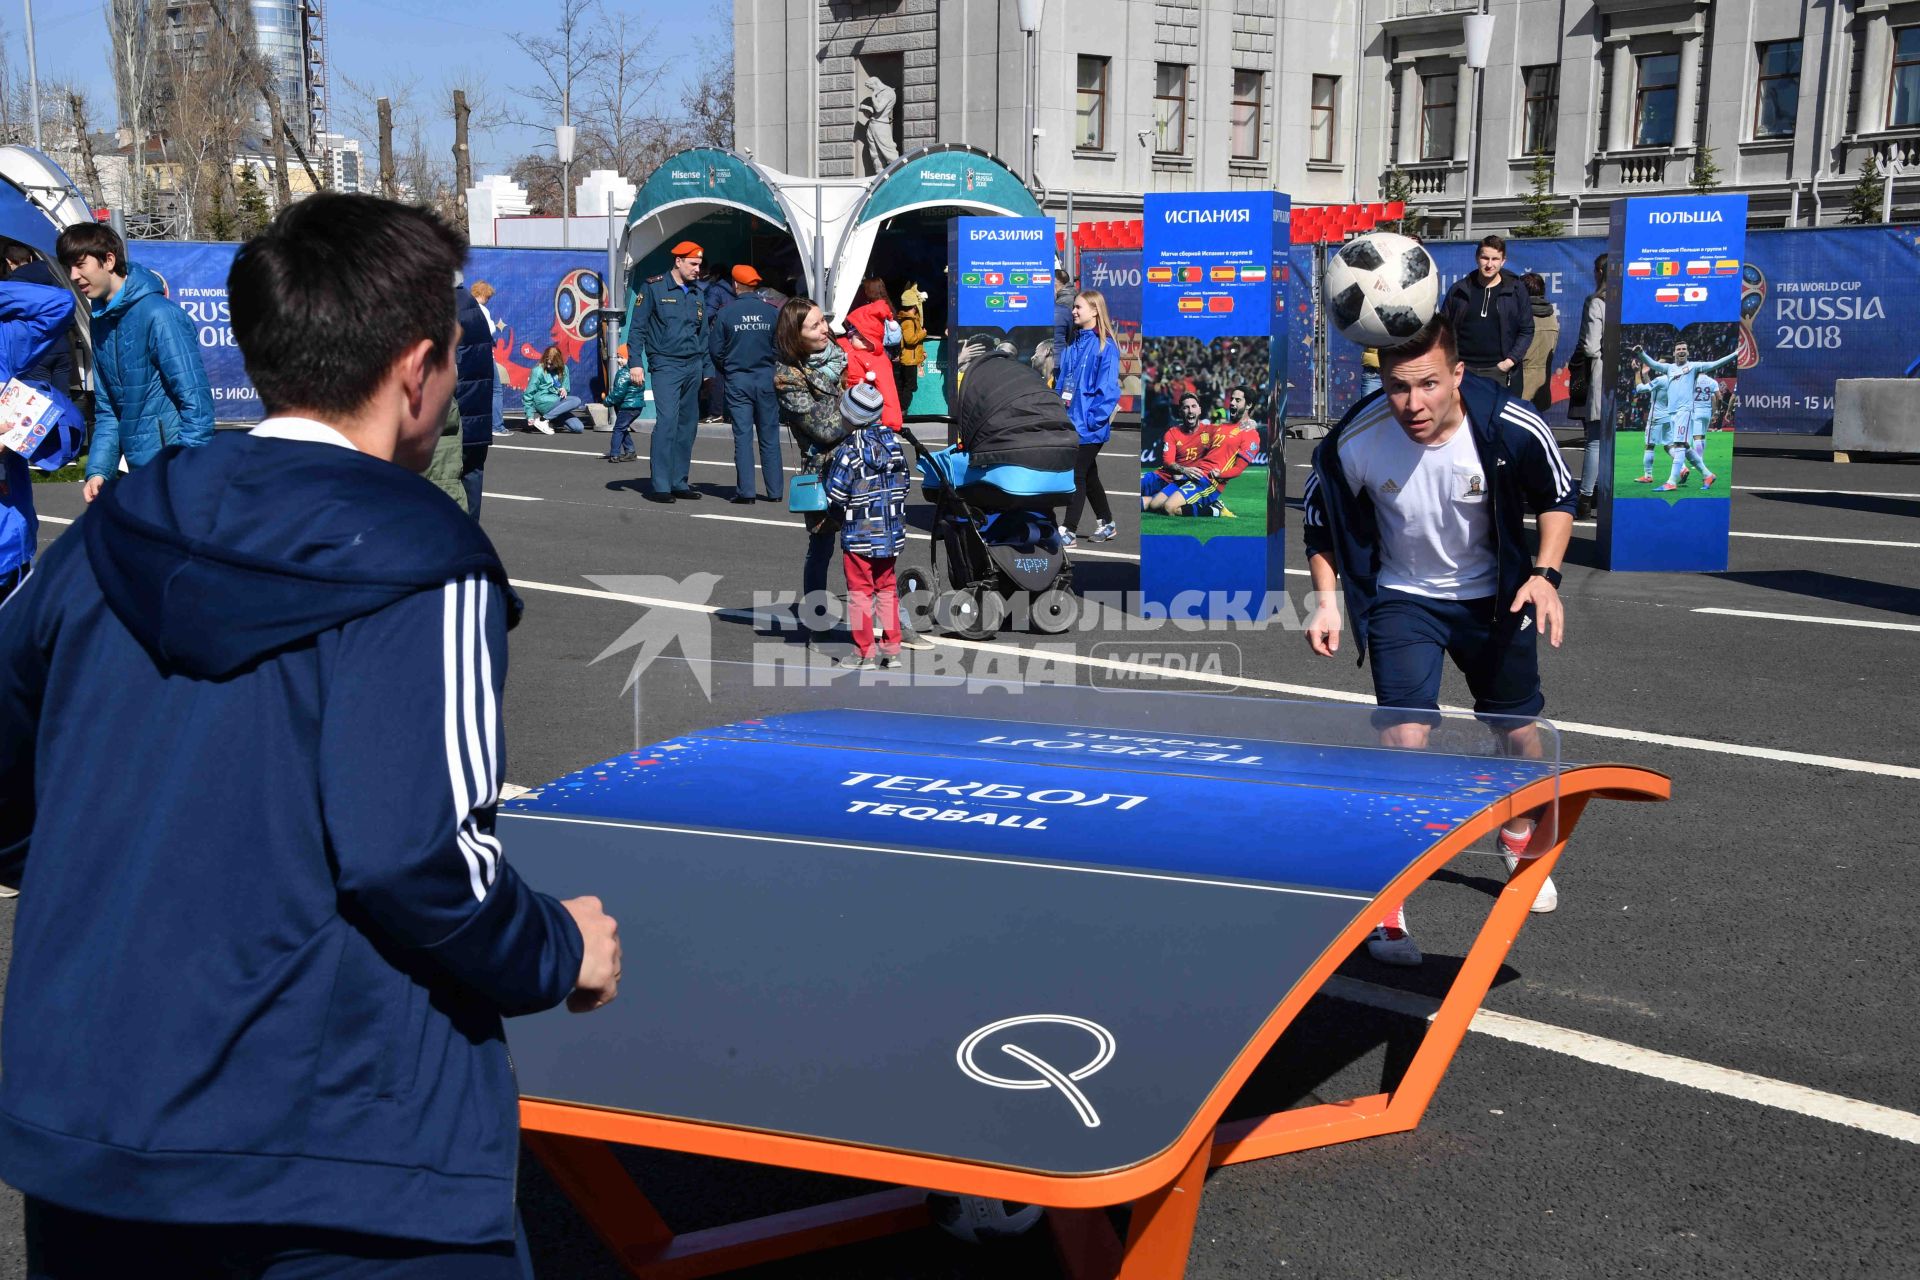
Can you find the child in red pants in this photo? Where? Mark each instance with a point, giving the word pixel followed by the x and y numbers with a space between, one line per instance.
pixel 869 481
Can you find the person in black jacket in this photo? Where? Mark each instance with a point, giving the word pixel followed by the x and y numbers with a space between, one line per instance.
pixel 259 968
pixel 473 391
pixel 1491 316
pixel 1415 512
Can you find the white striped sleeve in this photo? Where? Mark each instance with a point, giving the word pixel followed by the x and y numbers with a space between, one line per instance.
pixel 1542 437
pixel 471 725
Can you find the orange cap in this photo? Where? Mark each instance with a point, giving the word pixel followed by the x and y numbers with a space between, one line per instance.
pixel 746 275
pixel 687 249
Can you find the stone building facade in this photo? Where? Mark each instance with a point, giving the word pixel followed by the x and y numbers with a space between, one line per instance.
pixel 1334 101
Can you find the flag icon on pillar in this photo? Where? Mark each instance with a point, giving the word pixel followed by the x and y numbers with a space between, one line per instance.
pixel 1695 293
pixel 1639 270
pixel 1669 294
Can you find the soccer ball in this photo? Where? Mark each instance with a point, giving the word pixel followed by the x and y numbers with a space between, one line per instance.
pixel 576 305
pixel 978 1220
pixel 1382 289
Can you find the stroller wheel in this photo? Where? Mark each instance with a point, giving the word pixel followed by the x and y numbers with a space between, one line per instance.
pixel 974 613
pixel 919 598
pixel 1054 610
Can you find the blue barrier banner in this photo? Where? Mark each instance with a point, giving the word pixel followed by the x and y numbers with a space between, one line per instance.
pixel 1673 299
pixel 542 297
pixel 1215 313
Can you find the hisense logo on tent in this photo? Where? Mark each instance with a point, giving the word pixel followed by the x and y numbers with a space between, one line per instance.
pixel 682 175
pixel 934 175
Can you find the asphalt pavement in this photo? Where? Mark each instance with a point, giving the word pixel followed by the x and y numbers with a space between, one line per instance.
pixel 1755 928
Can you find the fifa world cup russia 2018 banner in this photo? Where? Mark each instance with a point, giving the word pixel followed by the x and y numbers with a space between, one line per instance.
pixel 542 298
pixel 1674 270
pixel 1215 315
pixel 1814 306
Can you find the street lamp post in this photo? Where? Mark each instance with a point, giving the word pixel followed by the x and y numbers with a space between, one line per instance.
pixel 33 80
pixel 563 151
pixel 1030 11
pixel 1479 32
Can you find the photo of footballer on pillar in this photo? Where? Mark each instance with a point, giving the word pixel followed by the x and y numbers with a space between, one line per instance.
pixel 1199 458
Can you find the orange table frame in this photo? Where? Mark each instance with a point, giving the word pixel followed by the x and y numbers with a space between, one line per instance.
pixel 1164 1192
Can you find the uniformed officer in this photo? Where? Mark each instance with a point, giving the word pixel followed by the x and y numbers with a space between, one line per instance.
pixel 670 322
pixel 742 349
pixel 721 291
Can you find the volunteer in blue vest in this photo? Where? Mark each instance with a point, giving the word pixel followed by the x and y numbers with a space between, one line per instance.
pixel 670 321
pixel 741 345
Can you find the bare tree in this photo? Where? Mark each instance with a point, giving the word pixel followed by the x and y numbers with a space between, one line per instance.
pixel 707 101
pixel 201 122
pixel 129 28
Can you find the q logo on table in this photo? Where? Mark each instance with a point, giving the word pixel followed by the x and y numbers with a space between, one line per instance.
pixel 1045 1074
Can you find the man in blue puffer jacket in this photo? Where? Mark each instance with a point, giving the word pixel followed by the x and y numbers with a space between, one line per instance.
pixel 152 389
pixel 253 1020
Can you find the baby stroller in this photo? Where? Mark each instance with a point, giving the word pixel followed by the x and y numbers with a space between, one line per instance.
pixel 996 530
pixel 995 493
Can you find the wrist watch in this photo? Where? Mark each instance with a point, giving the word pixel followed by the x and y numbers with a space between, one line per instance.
pixel 1551 575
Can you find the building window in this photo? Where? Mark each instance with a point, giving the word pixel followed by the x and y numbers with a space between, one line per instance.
pixel 1090 107
pixel 1249 87
pixel 1325 118
pixel 1777 97
pixel 1656 100
pixel 1436 115
pixel 1906 77
pixel 1543 108
pixel 1170 108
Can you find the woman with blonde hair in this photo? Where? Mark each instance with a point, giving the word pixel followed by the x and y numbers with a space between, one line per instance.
pixel 1089 383
pixel 547 397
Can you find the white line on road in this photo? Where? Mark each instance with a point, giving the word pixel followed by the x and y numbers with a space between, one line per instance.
pixel 1842 764
pixel 1850 542
pixel 1079 550
pixel 1847 493
pixel 1810 617
pixel 1725 1081
pixel 511 497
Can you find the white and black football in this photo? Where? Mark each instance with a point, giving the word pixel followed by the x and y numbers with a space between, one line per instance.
pixel 1382 289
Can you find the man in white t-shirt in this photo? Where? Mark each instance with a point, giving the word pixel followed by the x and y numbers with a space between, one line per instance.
pixel 1416 512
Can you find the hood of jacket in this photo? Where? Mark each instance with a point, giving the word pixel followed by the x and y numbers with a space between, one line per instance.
pixel 869 320
pixel 139 284
pixel 1542 308
pixel 216 557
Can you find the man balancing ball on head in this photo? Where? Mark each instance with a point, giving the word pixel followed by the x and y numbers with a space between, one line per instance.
pixel 1198 458
pixel 1416 512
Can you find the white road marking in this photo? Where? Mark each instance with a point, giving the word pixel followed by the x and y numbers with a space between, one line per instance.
pixel 1809 617
pixel 1847 493
pixel 510 497
pixel 1841 764
pixel 922 537
pixel 54 520
pixel 1850 542
pixel 946 857
pixel 1670 1068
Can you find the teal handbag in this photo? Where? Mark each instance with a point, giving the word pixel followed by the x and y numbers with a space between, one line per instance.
pixel 807 493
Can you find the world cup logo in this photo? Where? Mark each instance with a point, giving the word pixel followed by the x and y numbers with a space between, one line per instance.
pixel 576 311
pixel 1753 296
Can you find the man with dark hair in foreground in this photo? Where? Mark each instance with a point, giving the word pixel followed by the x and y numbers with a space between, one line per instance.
pixel 253 1023
pixel 1416 509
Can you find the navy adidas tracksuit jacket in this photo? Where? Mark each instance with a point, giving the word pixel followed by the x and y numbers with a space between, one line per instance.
pixel 250 748
pixel 1525 473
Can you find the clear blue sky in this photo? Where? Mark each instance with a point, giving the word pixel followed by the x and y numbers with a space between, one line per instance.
pixel 374 42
